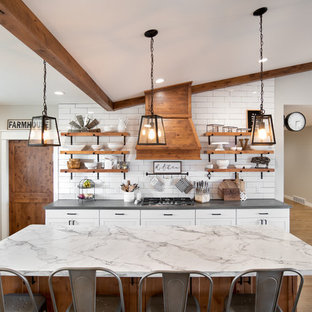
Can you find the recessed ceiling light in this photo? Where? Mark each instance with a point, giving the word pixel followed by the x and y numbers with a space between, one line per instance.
pixel 263 60
pixel 59 93
pixel 160 80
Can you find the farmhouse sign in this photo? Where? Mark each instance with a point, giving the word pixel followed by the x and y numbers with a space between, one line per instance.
pixel 18 124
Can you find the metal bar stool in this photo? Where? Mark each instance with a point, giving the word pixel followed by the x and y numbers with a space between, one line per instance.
pixel 268 287
pixel 175 296
pixel 21 302
pixel 83 289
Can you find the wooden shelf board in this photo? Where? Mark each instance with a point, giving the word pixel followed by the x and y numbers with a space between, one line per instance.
pixel 95 152
pixel 227 133
pixel 95 134
pixel 94 170
pixel 239 152
pixel 241 170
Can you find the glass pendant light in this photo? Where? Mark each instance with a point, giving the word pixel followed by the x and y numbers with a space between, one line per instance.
pixel 43 130
pixel 152 131
pixel 262 127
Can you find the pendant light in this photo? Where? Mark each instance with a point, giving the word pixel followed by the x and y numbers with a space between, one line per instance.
pixel 43 130
pixel 262 127
pixel 151 130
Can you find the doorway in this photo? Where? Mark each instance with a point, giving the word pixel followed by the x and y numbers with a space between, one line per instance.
pixel 30 183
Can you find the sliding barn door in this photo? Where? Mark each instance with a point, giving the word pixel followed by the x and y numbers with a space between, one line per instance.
pixel 31 183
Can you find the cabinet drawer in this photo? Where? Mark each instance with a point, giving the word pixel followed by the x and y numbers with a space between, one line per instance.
pixel 167 214
pixel 255 213
pixel 72 213
pixel 216 214
pixel 120 214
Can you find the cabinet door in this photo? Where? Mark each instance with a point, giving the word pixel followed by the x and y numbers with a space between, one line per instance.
pixel 120 222
pixel 161 222
pixel 221 221
pixel 281 223
pixel 73 222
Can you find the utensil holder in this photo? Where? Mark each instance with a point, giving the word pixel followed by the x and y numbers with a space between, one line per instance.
pixel 202 198
pixel 129 197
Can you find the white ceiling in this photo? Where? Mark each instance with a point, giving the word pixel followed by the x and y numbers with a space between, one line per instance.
pixel 199 40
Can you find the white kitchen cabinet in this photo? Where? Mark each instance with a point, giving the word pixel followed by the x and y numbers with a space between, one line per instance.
pixel 216 217
pixel 72 217
pixel 73 222
pixel 167 217
pixel 120 217
pixel 273 217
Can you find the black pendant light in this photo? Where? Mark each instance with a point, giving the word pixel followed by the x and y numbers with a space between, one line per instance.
pixel 262 127
pixel 43 130
pixel 152 131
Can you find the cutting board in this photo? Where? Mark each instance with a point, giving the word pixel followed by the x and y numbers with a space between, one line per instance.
pixel 229 190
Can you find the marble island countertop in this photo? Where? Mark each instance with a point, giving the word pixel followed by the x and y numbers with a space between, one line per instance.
pixel 213 204
pixel 221 250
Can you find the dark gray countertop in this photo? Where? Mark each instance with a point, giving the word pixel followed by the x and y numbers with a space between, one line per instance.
pixel 120 204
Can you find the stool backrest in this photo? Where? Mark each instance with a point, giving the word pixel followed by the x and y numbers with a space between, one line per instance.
pixel 83 288
pixel 175 289
pixel 268 288
pixel 22 277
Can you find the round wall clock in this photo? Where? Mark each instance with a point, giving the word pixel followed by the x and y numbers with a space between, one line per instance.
pixel 295 121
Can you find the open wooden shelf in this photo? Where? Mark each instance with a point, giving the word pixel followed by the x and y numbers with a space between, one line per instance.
pixel 227 133
pixel 95 134
pixel 95 152
pixel 95 170
pixel 239 152
pixel 241 170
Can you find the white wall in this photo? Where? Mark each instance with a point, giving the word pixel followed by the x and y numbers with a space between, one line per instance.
pixel 226 106
pixel 22 112
pixel 289 90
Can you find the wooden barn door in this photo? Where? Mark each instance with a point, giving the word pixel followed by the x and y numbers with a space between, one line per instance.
pixel 31 183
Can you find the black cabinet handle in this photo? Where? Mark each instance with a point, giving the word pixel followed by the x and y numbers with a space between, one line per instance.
pixel 216 214
pixel 71 213
pixel 119 214
pixel 263 213
pixel 168 214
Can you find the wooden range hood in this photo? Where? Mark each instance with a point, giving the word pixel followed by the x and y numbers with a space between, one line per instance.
pixel 173 103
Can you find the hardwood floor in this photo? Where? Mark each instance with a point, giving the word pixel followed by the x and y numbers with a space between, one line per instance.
pixel 300 226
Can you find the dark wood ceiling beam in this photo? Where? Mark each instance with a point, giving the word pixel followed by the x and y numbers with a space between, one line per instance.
pixel 18 19
pixel 229 82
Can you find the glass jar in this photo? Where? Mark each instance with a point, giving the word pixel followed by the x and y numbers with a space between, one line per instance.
pixel 226 129
pixel 209 127
pixel 233 129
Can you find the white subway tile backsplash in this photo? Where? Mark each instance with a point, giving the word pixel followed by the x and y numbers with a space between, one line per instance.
pixel 226 106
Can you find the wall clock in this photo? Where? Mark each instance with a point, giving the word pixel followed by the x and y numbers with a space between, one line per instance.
pixel 295 121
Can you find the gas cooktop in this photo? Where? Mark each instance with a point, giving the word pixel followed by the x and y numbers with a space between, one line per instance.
pixel 163 201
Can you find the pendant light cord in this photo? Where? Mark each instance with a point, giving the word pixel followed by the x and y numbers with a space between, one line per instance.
pixel 261 67
pixel 45 108
pixel 152 75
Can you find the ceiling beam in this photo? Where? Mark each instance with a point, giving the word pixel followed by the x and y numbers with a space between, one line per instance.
pixel 229 82
pixel 18 19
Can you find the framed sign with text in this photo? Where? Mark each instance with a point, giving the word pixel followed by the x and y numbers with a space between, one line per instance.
pixel 250 116
pixel 167 166
pixel 18 124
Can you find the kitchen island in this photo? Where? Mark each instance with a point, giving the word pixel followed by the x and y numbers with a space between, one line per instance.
pixel 131 252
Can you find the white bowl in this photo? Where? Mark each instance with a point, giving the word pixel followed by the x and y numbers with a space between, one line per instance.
pixel 115 146
pixel 239 148
pixel 109 128
pixel 222 163
pixel 233 148
pixel 209 166
pixel 96 147
pixel 75 147
pixel 90 165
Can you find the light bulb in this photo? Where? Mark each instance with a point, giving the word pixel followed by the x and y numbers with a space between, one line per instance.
pixel 143 132
pixel 262 133
pixel 151 134
pixel 159 133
